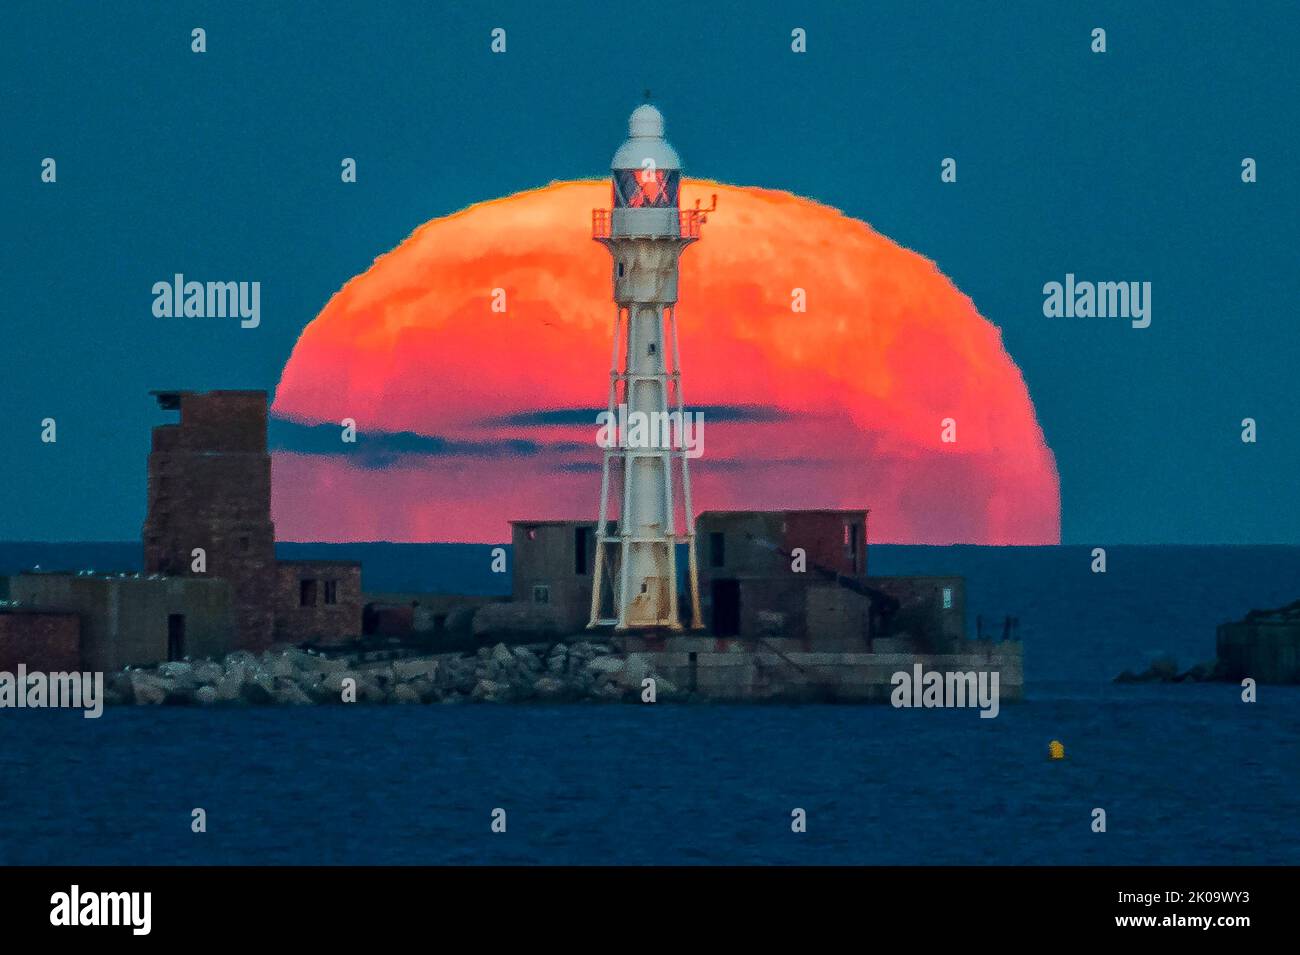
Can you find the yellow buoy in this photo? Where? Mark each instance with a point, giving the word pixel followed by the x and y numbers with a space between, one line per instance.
pixel 1055 749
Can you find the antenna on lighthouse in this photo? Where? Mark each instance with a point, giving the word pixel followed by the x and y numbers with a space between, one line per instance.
pixel 634 584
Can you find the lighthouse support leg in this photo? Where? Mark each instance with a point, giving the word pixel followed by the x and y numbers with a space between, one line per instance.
pixel 602 524
pixel 692 567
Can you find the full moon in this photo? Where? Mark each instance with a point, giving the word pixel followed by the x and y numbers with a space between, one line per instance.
pixel 833 369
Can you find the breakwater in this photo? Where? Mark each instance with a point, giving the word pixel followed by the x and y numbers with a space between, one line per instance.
pixel 692 670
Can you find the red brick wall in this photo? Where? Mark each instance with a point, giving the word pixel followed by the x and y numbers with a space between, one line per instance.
pixel 49 642
pixel 319 622
pixel 821 535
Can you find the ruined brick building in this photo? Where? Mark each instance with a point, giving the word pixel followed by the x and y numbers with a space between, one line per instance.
pixel 211 581
pixel 793 575
pixel 210 490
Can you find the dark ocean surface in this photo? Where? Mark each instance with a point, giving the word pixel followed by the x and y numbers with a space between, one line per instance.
pixel 1187 774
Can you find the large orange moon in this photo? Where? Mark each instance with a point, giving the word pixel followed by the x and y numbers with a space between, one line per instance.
pixel 469 417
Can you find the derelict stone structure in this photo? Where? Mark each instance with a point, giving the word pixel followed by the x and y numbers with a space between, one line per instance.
pixel 210 488
pixel 1265 646
pixel 788 574
pixel 132 619
pixel 317 601
pixel 554 563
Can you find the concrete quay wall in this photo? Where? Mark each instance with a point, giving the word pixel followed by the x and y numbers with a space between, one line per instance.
pixel 758 673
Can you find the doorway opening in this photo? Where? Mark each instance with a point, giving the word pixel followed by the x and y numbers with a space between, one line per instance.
pixel 175 636
pixel 726 607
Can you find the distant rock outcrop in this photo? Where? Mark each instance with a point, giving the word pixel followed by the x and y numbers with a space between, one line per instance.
pixel 1165 670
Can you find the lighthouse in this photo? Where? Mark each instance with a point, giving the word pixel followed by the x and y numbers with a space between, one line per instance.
pixel 634 582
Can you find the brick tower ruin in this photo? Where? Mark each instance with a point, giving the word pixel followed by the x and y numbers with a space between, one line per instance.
pixel 210 488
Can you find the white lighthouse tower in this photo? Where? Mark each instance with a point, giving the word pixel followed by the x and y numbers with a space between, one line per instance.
pixel 634 585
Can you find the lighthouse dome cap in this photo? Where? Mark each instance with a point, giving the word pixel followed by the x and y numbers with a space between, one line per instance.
pixel 645 129
pixel 645 121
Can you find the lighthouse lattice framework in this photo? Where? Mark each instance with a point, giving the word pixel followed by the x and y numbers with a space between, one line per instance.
pixel 634 584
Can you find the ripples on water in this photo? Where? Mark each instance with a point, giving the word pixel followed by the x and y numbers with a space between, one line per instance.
pixel 1187 775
